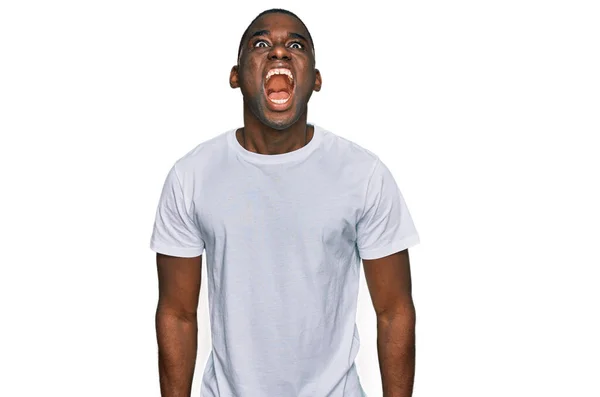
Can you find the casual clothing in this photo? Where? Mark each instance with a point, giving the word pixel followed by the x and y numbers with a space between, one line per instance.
pixel 284 236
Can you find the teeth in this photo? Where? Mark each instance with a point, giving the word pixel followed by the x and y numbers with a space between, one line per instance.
pixel 279 101
pixel 285 71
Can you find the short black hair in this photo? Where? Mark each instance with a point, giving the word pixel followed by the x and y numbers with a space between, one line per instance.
pixel 273 11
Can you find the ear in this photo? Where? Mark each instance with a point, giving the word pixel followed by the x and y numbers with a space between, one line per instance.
pixel 318 81
pixel 234 77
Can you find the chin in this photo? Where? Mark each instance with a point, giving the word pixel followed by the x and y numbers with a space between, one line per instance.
pixel 278 121
pixel 277 124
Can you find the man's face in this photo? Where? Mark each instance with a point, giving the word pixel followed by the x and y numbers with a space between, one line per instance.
pixel 276 70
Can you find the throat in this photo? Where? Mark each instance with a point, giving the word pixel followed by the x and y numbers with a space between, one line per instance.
pixel 279 88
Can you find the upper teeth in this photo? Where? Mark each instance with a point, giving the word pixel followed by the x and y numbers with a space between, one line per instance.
pixel 280 71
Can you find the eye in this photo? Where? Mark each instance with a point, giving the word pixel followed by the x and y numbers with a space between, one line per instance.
pixel 256 44
pixel 300 46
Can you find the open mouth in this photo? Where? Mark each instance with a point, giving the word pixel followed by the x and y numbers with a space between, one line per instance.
pixel 279 87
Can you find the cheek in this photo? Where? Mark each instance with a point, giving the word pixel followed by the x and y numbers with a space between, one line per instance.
pixel 251 74
pixel 307 84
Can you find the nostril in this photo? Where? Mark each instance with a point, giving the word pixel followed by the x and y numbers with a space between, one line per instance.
pixel 279 52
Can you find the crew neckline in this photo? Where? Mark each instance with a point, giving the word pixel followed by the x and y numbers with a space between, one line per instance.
pixel 294 155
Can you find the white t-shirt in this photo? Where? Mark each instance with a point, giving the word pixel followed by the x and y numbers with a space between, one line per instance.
pixel 284 236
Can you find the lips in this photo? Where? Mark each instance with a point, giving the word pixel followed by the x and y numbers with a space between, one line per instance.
pixel 279 86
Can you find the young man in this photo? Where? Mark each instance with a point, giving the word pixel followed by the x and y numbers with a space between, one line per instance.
pixel 286 211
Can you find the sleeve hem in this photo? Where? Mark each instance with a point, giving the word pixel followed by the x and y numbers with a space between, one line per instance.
pixel 390 249
pixel 175 251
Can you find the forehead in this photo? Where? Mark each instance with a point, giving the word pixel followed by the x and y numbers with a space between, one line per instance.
pixel 278 23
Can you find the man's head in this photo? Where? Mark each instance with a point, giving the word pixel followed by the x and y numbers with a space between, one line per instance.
pixel 276 68
pixel 273 11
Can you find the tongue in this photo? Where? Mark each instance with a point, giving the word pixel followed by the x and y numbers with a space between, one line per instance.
pixel 279 95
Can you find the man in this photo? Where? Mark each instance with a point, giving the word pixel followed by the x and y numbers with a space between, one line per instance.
pixel 286 211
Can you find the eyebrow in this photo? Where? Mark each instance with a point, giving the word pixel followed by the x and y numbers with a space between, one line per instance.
pixel 260 33
pixel 268 32
pixel 297 36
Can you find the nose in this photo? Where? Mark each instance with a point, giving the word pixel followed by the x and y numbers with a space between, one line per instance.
pixel 279 52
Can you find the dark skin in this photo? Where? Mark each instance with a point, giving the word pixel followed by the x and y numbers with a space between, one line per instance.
pixel 275 40
pixel 269 130
pixel 177 323
pixel 390 287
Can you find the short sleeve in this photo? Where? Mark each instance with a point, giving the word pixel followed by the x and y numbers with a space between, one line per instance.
pixel 175 233
pixel 385 226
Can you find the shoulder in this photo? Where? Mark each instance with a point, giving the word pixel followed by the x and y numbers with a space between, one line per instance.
pixel 347 152
pixel 203 157
pixel 203 153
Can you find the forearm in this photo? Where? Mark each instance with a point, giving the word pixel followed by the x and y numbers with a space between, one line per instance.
pixel 396 351
pixel 177 338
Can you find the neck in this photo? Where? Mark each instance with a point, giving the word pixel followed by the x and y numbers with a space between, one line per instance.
pixel 260 138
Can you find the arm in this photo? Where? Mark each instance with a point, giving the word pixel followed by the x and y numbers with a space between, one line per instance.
pixel 389 283
pixel 176 322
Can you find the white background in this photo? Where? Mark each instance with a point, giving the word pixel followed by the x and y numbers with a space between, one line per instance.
pixel 486 112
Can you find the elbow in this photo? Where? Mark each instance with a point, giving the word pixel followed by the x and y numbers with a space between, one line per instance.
pixel 166 312
pixel 404 315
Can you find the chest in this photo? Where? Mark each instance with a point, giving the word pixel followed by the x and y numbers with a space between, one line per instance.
pixel 283 208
